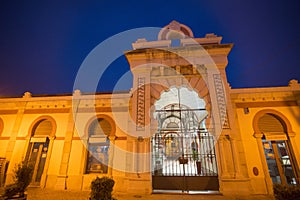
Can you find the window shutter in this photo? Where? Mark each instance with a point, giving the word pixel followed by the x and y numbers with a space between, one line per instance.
pixel 100 127
pixel 269 123
pixel 43 128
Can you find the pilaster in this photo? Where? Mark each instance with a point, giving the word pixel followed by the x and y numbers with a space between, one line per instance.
pixel 295 155
pixel 269 183
pixel 111 154
pixel 15 130
pixel 223 158
pixel 46 167
pixel 236 159
pixel 61 182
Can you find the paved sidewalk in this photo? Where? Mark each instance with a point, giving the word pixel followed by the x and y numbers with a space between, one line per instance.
pixel 47 194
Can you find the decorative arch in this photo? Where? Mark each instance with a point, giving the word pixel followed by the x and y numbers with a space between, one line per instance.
pixel 196 84
pixel 285 122
pixel 40 119
pixel 182 138
pixel 100 116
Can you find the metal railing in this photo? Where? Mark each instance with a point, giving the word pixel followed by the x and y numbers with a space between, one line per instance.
pixel 181 154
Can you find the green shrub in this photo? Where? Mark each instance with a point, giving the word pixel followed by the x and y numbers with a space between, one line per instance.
pixel 101 188
pixel 283 192
pixel 22 175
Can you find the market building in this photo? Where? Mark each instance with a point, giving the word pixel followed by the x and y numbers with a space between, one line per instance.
pixel 181 127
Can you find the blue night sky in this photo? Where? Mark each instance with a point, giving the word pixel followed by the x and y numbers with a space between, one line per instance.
pixel 43 43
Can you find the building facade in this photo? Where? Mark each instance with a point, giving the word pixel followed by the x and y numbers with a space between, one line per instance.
pixel 181 127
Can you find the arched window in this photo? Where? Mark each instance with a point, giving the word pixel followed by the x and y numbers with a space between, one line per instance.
pixel 98 146
pixel 277 149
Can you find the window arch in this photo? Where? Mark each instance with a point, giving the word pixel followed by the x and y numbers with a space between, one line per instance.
pixel 99 130
pixel 271 123
pixel 279 116
pixel 44 126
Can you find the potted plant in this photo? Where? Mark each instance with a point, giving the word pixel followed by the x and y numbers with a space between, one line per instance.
pixel 182 160
pixel 22 175
pixel 101 189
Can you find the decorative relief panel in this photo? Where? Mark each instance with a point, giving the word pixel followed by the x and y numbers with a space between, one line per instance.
pixel 221 100
pixel 140 115
pixel 226 122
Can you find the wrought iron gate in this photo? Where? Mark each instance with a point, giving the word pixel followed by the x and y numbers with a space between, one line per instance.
pixel 183 154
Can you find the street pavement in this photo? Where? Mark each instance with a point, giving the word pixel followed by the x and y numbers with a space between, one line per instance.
pixel 48 194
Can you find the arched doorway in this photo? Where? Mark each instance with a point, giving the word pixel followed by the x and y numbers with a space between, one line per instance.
pixel 277 148
pixel 183 153
pixel 37 153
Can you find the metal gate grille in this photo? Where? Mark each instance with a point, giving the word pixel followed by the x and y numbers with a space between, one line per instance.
pixel 183 153
pixel 183 161
pixel 196 156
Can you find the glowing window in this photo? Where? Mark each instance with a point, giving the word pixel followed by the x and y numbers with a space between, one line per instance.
pixel 98 146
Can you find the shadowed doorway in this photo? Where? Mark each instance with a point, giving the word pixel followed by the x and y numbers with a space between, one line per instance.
pixel 37 152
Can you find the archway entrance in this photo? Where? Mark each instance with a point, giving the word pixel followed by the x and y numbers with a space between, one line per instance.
pixel 183 153
pixel 277 150
pixel 38 149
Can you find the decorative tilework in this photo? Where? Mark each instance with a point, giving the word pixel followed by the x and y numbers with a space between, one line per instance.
pixel 221 100
pixel 140 115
